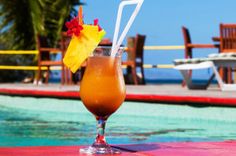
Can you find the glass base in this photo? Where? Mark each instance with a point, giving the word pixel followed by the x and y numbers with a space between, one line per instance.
pixel 99 150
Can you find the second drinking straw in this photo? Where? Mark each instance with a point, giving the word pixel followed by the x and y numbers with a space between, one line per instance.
pixel 116 43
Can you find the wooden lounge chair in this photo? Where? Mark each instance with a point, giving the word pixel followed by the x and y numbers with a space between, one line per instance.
pixel 134 60
pixel 189 46
pixel 45 59
pixel 212 62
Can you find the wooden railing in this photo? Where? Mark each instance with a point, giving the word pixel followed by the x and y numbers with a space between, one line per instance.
pixel 35 52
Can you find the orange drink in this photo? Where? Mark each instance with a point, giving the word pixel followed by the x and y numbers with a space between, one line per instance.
pixel 102 88
pixel 102 91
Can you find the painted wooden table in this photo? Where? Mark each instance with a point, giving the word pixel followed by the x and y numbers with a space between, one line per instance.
pixel 227 148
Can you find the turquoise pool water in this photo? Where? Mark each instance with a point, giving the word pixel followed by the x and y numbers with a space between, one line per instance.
pixel 26 121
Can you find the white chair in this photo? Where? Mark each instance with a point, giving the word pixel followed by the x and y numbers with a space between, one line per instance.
pixel 212 62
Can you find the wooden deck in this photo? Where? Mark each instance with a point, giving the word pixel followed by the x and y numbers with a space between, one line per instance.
pixel 161 93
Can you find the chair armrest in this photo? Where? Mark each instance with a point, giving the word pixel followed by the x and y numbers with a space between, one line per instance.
pixel 131 63
pixel 128 49
pixel 203 45
pixel 50 50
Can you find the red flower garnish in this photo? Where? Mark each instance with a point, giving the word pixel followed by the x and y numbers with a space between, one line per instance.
pixel 95 22
pixel 74 27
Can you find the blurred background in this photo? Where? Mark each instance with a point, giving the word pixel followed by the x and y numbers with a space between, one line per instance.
pixel 159 20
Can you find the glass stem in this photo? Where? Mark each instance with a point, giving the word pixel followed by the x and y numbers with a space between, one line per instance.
pixel 100 139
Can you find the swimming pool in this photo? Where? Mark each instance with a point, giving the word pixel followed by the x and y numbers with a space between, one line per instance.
pixel 26 121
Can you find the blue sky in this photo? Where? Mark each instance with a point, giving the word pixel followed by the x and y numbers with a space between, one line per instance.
pixel 161 21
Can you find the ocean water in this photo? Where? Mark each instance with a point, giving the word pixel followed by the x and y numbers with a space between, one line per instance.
pixel 26 121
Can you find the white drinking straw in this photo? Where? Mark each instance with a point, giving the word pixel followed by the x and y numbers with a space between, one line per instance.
pixel 116 44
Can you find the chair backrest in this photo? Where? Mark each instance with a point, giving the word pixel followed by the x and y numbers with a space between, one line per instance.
pixel 228 37
pixel 44 47
pixel 135 47
pixel 187 40
pixel 64 41
pixel 105 42
pixel 42 42
pixel 139 46
pixel 131 55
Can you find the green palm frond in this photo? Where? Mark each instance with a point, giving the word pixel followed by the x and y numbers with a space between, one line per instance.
pixel 16 24
pixel 22 20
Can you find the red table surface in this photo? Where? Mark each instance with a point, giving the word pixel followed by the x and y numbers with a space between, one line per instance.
pixel 227 148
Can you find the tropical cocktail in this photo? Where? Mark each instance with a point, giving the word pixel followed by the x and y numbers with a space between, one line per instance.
pixel 102 91
pixel 102 88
